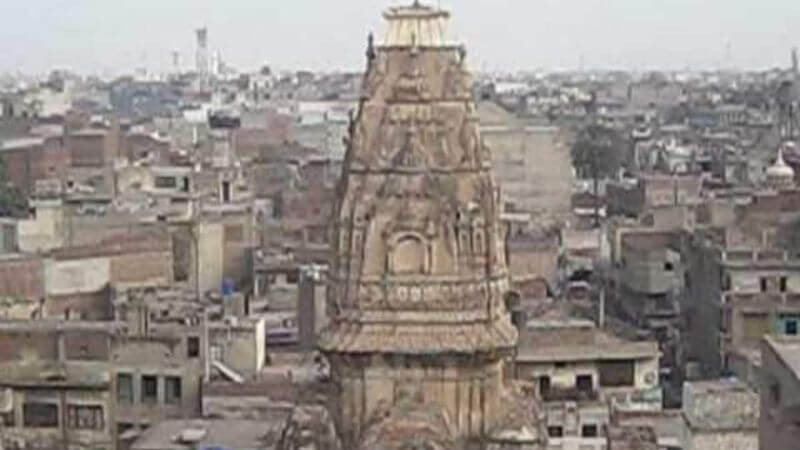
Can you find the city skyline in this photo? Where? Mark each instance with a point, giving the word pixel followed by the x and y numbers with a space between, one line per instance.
pixel 90 36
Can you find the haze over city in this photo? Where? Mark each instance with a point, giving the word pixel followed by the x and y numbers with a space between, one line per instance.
pixel 400 225
pixel 95 36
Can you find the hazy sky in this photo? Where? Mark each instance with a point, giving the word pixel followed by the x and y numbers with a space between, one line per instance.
pixel 99 35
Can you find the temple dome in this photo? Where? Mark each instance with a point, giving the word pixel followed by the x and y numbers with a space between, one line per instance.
pixel 780 174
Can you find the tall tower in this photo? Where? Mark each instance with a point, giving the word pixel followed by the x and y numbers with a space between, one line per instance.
pixel 201 55
pixel 176 61
pixel 416 291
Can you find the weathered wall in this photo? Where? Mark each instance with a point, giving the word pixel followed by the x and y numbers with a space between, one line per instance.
pixel 728 440
pixel 455 387
pixel 43 232
pixel 74 276
pixel 210 256
pixel 80 306
pixel 778 378
pixel 702 309
pixel 16 346
pixel 532 166
pixel 152 268
pixel 22 277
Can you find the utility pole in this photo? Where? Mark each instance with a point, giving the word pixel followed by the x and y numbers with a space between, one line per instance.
pixel 601 314
pixel 593 122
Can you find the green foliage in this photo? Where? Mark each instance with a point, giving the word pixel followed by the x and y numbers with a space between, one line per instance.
pixel 12 201
pixel 598 152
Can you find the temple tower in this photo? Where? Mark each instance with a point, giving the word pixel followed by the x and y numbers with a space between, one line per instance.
pixel 418 277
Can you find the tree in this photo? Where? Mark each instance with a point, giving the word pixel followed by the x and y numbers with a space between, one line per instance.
pixel 597 153
pixel 12 202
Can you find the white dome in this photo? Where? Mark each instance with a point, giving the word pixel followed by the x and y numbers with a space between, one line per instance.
pixel 780 174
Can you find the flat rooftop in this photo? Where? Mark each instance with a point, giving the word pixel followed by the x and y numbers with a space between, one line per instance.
pixel 788 349
pixel 224 433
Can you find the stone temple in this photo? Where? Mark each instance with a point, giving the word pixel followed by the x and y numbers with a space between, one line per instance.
pixel 419 332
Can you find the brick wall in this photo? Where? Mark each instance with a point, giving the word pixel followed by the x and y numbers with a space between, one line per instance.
pixel 86 345
pixel 85 306
pixel 17 164
pixel 87 150
pixel 22 278
pixel 16 345
pixel 153 267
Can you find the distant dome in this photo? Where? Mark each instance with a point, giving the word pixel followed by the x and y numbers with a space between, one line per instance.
pixel 780 175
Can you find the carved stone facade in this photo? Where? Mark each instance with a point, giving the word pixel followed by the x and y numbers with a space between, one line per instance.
pixel 419 268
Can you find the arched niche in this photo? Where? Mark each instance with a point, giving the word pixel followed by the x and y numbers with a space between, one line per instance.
pixel 408 254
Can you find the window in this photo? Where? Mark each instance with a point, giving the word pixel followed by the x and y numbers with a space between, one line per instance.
pixel 756 325
pixel 172 388
pixel 193 347
pixel 123 427
pixel 149 389
pixel 560 364
pixel 40 415
pixel 555 431
pixel 783 284
pixel 226 192
pixel 763 282
pixel 166 182
pixel 790 327
pixel 589 430
pixel 85 417
pixel 616 373
pixel 215 352
pixel 125 388
pixel 668 266
pixel 583 383
pixel 775 394
pixel 544 385
pixel 7 419
pixel 293 277
pixel 726 282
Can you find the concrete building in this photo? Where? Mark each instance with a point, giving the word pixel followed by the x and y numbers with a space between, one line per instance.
pixel 581 374
pixel 720 415
pixel 84 385
pixel 45 229
pixel 650 279
pixel 33 158
pixel 632 198
pixel 531 163
pixel 779 391
pixel 222 339
pixel 734 297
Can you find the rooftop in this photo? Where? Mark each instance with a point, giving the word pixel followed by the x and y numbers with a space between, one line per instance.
pixel 550 341
pixel 719 405
pixel 788 350
pixel 54 374
pixel 228 433
pixel 44 325
pixel 20 143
